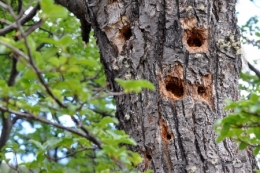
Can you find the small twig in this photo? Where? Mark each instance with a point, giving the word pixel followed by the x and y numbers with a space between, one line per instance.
pixel 40 46
pixel 108 93
pixel 104 114
pixel 252 42
pixel 15 50
pixel 45 30
pixel 70 154
pixel 5 21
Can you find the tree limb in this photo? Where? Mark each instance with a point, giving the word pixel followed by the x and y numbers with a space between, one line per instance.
pixel 79 9
pixel 251 67
pixel 7 123
pixel 6 129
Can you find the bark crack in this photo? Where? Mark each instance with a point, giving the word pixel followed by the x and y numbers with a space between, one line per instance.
pixel 147 149
pixel 178 9
pixel 179 141
pixel 179 135
pixel 200 154
pixel 186 64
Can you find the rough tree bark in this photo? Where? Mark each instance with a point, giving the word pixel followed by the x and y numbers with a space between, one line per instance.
pixel 189 49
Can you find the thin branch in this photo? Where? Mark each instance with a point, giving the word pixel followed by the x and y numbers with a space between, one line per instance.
pixel 40 46
pixel 83 128
pixel 104 114
pixel 22 20
pixel 20 5
pixel 70 154
pixel 32 28
pixel 6 129
pixel 3 5
pixel 251 67
pixel 15 50
pixel 252 42
pixel 5 21
pixel 27 115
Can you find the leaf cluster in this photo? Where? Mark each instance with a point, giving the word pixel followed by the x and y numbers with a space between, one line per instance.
pixel 243 122
pixel 61 112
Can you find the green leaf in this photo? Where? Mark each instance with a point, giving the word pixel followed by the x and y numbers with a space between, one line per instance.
pixel 135 159
pixel 2 49
pixel 52 142
pixel 218 122
pixel 31 43
pixel 220 138
pixel 254 97
pixel 105 121
pixel 54 61
pixel 135 85
pixel 225 129
pixel 242 145
pixel 37 143
pixel 51 10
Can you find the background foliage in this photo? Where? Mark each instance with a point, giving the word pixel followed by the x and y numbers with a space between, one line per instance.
pixel 54 94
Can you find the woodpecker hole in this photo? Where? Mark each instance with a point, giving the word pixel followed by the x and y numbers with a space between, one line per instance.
pixel 169 137
pixel 126 32
pixel 166 136
pixel 202 90
pixel 147 159
pixel 195 40
pixel 171 84
pixel 148 156
pixel 175 86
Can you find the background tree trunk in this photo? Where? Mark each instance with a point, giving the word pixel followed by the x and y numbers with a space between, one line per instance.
pixel 190 51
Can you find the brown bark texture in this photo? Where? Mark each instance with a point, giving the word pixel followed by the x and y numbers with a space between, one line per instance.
pixel 190 50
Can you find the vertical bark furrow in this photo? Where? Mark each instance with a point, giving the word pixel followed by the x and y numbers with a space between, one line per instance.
pixel 180 148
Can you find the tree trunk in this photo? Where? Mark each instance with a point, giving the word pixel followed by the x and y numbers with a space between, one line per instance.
pixel 190 51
